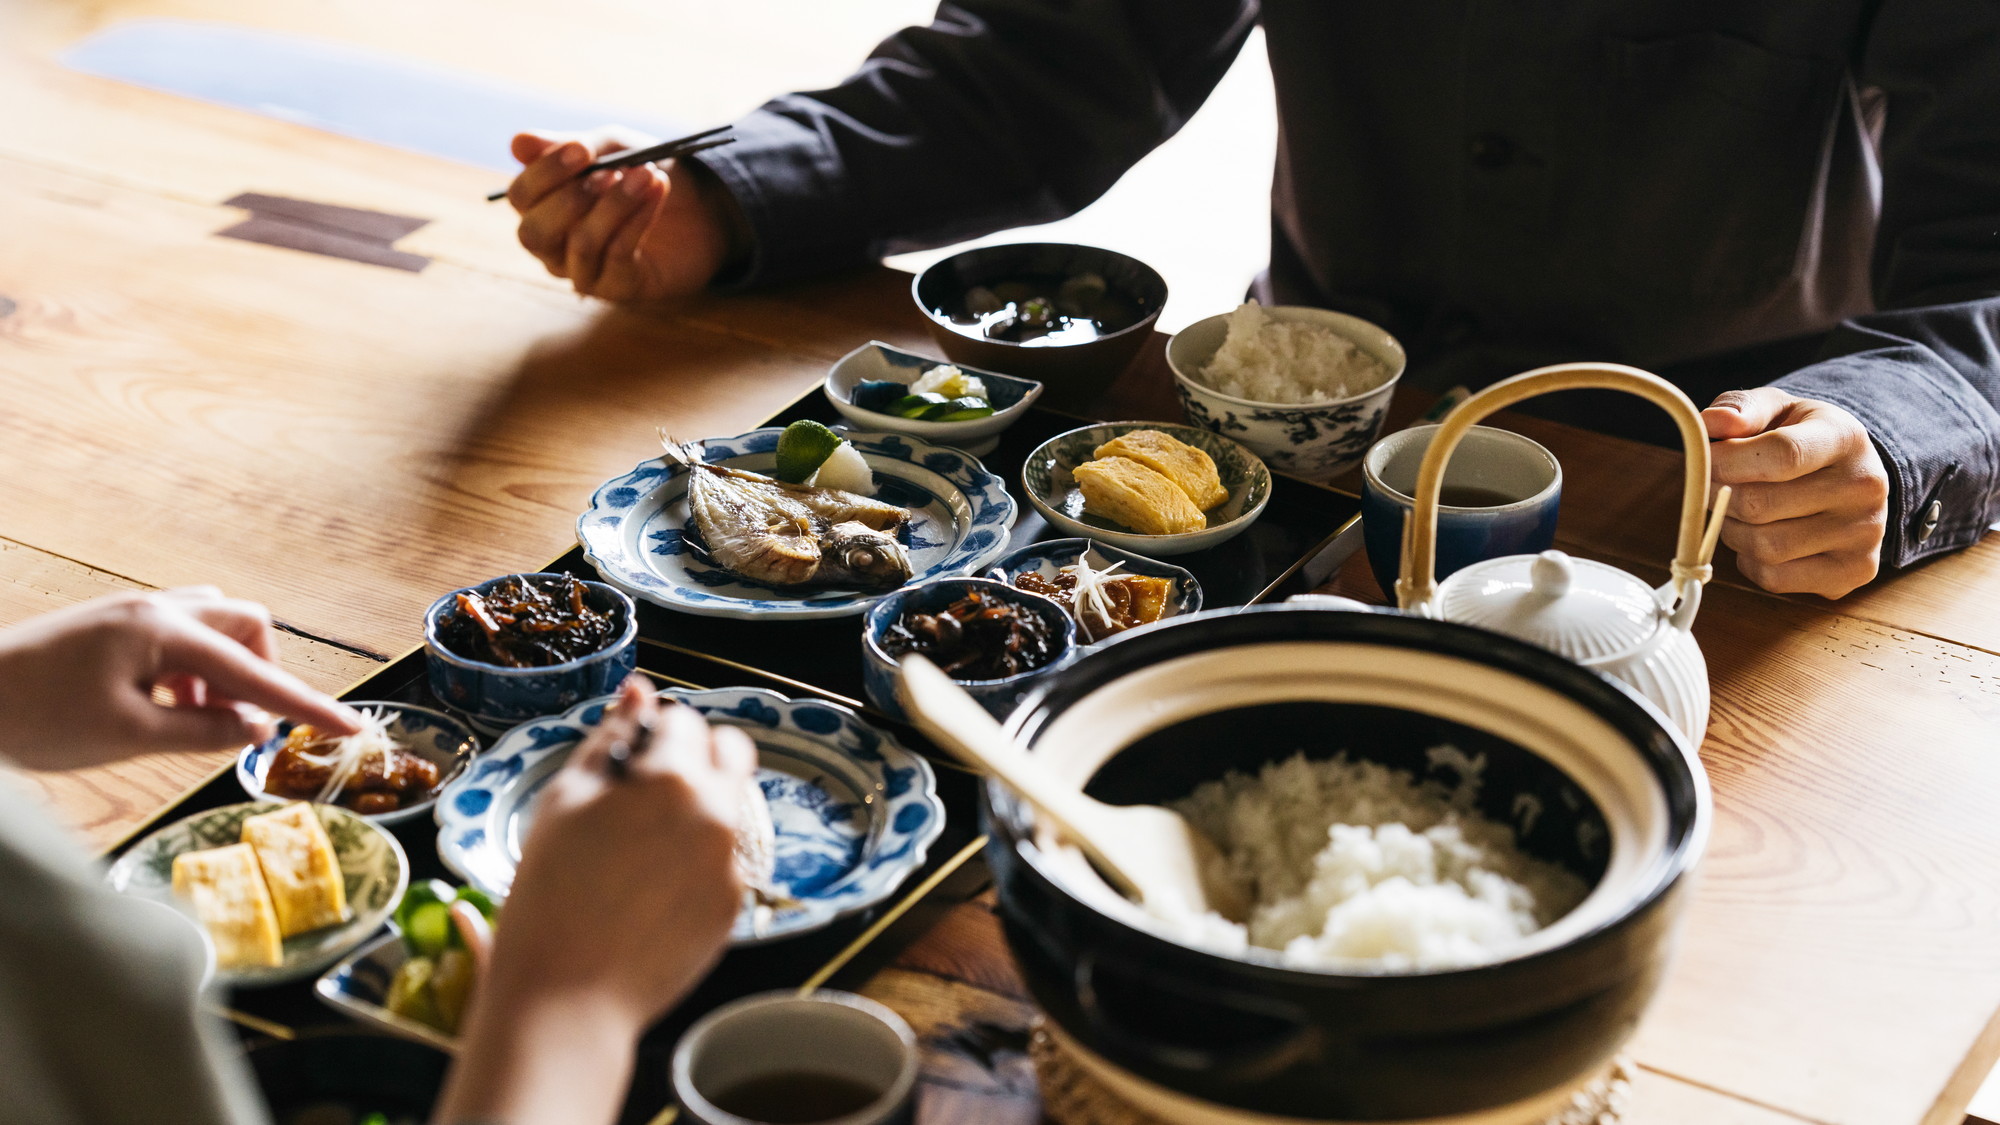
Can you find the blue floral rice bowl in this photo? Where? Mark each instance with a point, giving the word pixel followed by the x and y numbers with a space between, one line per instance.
pixel 493 698
pixel 855 812
pixel 1312 441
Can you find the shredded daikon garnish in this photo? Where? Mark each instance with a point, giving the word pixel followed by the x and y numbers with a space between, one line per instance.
pixel 1090 595
pixel 348 754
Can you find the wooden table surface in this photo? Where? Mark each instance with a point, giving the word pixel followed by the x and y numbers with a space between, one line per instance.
pixel 343 442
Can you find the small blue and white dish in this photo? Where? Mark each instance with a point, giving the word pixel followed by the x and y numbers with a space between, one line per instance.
pixel 358 987
pixel 855 812
pixel 433 735
pixel 1048 557
pixel 494 698
pixel 878 667
pixel 635 531
pixel 1047 478
pixel 878 363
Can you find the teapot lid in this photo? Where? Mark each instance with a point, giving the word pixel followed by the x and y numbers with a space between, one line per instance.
pixel 1585 610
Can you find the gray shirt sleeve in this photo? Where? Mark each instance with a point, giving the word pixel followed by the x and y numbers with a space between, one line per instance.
pixel 1924 373
pixel 99 1015
pixel 999 113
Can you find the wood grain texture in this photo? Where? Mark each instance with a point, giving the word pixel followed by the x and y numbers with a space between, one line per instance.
pixel 337 440
pixel 104 803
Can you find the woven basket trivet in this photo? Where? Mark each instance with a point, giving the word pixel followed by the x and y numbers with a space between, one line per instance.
pixel 1072 1097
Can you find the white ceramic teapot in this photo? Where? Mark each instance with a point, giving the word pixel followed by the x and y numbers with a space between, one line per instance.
pixel 1597 615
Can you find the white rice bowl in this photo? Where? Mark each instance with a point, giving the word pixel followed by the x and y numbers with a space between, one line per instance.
pixel 1354 864
pixel 1264 359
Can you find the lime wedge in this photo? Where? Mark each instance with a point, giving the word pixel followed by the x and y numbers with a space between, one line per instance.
pixel 802 449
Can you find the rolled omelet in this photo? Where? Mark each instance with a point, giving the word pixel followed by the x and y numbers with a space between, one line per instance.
pixel 1127 492
pixel 299 866
pixel 1189 468
pixel 225 888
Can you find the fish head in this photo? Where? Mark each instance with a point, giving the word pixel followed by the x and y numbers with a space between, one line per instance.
pixel 872 559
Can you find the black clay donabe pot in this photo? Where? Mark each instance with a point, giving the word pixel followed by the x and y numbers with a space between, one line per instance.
pixel 1590 776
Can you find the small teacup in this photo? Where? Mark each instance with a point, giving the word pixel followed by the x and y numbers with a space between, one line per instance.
pixel 1507 487
pixel 781 1057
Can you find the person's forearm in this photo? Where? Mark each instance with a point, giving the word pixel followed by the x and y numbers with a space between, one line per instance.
pixel 525 1059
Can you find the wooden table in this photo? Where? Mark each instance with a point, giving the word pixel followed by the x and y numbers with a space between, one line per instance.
pixel 343 441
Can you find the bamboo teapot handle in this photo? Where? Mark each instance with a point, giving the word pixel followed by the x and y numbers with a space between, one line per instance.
pixel 1417 585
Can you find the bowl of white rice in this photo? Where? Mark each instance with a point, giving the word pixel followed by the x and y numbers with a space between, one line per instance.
pixel 1305 388
pixel 1467 858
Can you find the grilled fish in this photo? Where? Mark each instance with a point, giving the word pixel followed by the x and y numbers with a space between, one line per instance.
pixel 792 535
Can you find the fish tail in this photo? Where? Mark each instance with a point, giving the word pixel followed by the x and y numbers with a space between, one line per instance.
pixel 685 454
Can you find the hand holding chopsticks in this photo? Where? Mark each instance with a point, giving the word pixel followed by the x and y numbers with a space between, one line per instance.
pixel 632 158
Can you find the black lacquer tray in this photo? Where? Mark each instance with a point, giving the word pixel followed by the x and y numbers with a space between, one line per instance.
pixel 822 659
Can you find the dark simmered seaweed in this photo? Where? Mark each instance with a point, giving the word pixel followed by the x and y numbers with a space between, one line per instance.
pixel 521 624
pixel 977 637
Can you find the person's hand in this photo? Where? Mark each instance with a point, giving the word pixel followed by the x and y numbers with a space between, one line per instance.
pixel 81 685
pixel 1811 496
pixel 624 898
pixel 639 234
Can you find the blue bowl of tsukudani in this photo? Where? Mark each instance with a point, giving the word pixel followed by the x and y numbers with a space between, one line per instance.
pixel 998 696
pixel 1077 364
pixel 495 697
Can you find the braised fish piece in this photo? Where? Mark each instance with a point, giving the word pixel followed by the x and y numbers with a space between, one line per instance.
pixel 792 535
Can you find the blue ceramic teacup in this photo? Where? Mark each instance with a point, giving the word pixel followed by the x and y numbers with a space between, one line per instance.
pixel 1509 488
pixel 878 667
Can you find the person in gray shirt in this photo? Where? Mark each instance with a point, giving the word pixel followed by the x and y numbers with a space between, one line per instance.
pixel 1729 193
pixel 100 1020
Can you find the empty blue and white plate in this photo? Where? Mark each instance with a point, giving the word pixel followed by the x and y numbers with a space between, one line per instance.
pixel 635 530
pixel 855 812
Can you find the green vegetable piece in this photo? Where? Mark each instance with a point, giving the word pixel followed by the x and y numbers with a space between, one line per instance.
pixel 420 895
pixel 479 899
pixel 966 409
pixel 376 1117
pixel 915 406
pixel 428 931
pixel 410 993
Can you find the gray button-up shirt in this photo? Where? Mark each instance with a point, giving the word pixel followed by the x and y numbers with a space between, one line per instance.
pixel 1501 183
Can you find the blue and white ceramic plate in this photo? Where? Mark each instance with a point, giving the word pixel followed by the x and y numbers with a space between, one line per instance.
pixel 855 812
pixel 634 531
pixel 434 735
pixel 1048 557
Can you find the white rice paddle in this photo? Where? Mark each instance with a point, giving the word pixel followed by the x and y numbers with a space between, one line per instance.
pixel 1148 853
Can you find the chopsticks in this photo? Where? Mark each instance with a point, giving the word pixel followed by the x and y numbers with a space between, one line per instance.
pixel 632 158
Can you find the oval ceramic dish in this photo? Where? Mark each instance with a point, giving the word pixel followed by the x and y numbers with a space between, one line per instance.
pixel 1048 557
pixel 358 987
pixel 634 531
pixel 1046 479
pixel 878 667
pixel 428 734
pixel 372 866
pixel 1010 397
pixel 855 812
